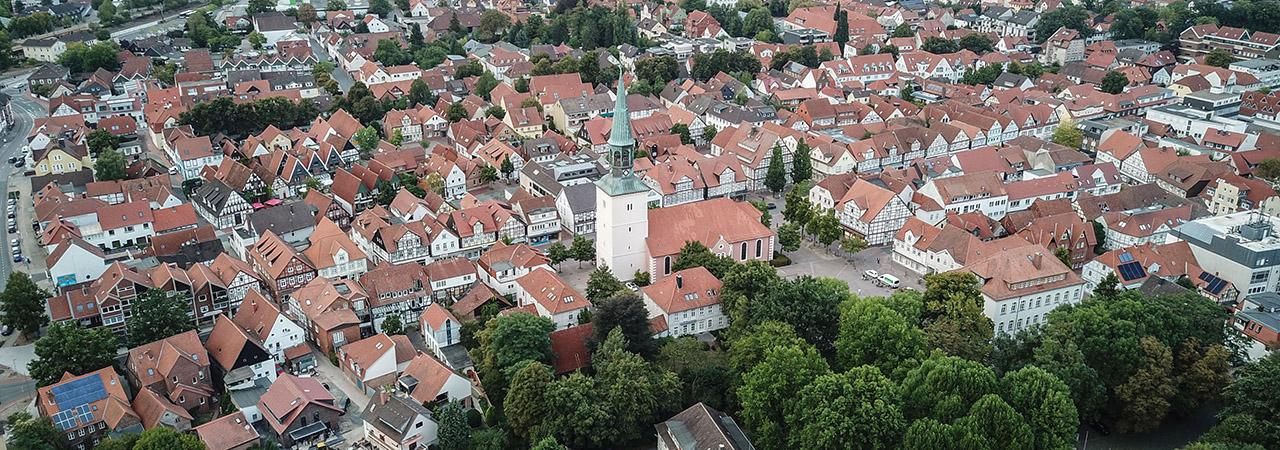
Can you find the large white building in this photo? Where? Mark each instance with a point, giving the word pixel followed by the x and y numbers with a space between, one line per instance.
pixel 622 213
pixel 1241 248
pixel 1021 285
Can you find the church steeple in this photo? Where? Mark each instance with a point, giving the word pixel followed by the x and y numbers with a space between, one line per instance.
pixel 621 143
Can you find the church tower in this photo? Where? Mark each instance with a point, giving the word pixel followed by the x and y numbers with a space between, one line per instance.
pixel 622 212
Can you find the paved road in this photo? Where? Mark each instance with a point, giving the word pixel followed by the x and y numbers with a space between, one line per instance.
pixel 341 76
pixel 154 24
pixel 17 358
pixel 24 111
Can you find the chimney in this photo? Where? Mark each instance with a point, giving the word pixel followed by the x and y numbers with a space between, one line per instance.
pixel 1037 259
pixel 679 281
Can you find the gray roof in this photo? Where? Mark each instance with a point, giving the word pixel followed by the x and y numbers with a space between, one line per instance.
pixel 284 219
pixel 581 197
pixel 701 427
pixel 274 21
pixel 213 196
pixel 587 103
pixel 395 415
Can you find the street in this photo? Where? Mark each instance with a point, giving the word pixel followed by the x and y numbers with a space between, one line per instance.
pixel 24 111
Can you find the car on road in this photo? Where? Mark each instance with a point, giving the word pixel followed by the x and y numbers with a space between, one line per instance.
pixel 772 206
pixel 870 275
pixel 20 163
pixel 173 170
pixel 17 257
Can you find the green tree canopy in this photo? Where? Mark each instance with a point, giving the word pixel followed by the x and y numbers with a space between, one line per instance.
pixel 856 409
pixel 157 316
pixel 23 304
pixel 66 347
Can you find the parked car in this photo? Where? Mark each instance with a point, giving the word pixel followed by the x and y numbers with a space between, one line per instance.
pixel 870 275
pixel 889 281
pixel 6 330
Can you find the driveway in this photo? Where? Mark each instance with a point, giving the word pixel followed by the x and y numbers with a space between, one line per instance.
pixel 341 387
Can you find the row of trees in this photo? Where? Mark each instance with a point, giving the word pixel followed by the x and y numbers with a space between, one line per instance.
pixel 81 58
pixel 223 115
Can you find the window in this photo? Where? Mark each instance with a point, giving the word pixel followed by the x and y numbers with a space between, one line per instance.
pixel 743 251
pixel 1259 277
pixel 759 247
pixel 666 265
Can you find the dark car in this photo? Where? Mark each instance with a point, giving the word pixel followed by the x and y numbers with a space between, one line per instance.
pixel 773 206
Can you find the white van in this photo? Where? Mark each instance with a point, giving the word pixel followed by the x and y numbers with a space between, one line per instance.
pixel 889 281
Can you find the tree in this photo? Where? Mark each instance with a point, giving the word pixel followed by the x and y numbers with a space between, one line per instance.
pixel 260 6
pixel 307 14
pixel 557 253
pixel 257 40
pixel 658 70
pixel 524 406
pixel 977 42
pixel 810 305
pixel 903 30
pixel 1045 402
pixel 841 36
pixel 765 216
pixel 1202 374
pixel 1065 361
pixel 874 335
pixel 1114 82
pixel 627 313
pixel 601 284
pixel 101 140
pixel 157 316
pixel 488 174
pixel 798 210
pixel 1268 169
pixel 165 438
pixel 549 443
pixel 66 347
pixel 492 24
pixel 768 390
pixel 583 249
pixel 34 433
pixel 757 20
pixel 454 433
pixel 335 5
pixel 1068 135
pixel 81 58
pixel 682 130
pixel 456 112
pixel 995 423
pixel 574 415
pixel 1073 17
pixel 505 343
pixel 366 140
pixel 775 177
pixel 507 168
pixel 709 133
pixel 694 254
pixel 634 390
pixel 939 45
pixel 852 244
pixel 110 165
pixel 22 303
pixel 1250 404
pixel 801 164
pixel 1063 254
pixel 420 93
pixel 1108 288
pixel 1219 58
pixel 856 409
pixel 495 112
pixel 789 237
pixel 380 7
pixel 826 227
pixel 1148 392
pixel 944 387
pixel 392 325
pixel 485 84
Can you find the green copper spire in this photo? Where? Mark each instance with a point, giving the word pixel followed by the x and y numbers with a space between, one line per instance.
pixel 620 136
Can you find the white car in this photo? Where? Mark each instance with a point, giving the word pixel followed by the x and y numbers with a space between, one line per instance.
pixel 870 275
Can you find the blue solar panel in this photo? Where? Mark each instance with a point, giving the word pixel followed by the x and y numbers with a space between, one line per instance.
pixel 1131 271
pixel 1126 257
pixel 1215 284
pixel 78 392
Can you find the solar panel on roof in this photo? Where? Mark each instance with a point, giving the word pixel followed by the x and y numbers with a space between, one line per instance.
pixel 1205 276
pixel 1131 271
pixel 1126 257
pixel 79 392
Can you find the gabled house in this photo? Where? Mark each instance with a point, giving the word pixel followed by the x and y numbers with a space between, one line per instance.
pixel 176 368
pixel 282 267
pixel 503 264
pixel 297 409
pixel 551 297
pixel 262 319
pixel 376 362
pixel 431 382
pixel 241 360
pixel 688 301
pixel 88 408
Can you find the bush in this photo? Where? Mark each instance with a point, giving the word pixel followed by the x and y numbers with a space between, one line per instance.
pixel 780 260
pixel 474 418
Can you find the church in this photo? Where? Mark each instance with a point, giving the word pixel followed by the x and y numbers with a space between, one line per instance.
pixel 631 238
